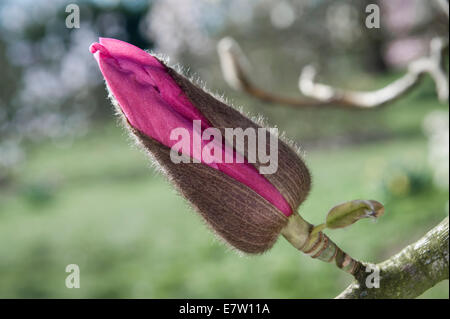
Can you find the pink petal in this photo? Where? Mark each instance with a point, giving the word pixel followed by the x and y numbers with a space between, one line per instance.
pixel 154 104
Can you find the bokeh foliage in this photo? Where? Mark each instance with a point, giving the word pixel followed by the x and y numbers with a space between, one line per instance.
pixel 73 189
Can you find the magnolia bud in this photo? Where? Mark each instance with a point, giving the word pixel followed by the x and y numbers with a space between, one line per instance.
pixel 244 207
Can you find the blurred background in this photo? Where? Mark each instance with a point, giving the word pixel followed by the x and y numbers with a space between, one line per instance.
pixel 73 189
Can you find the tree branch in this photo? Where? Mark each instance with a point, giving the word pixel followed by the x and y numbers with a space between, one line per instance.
pixel 233 63
pixel 411 272
pixel 442 5
pixel 431 65
pixel 234 66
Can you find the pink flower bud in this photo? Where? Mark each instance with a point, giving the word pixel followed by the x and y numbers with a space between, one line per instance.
pixel 244 207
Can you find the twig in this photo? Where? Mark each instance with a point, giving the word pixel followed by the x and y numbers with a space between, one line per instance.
pixel 411 272
pixel 317 94
pixel 443 6
pixel 358 99
pixel 318 245
pixel 233 63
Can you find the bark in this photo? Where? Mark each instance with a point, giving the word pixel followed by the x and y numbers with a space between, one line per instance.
pixel 411 272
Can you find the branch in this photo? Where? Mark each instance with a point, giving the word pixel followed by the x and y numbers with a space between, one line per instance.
pixel 442 5
pixel 411 272
pixel 235 69
pixel 432 65
pixel 316 94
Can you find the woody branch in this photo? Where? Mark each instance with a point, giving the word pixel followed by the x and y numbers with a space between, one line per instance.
pixel 431 65
pixel 411 272
pixel 317 94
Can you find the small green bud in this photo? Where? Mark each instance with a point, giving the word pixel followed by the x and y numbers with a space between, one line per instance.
pixel 345 214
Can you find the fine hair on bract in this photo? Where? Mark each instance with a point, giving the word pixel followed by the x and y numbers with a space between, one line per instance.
pixel 235 212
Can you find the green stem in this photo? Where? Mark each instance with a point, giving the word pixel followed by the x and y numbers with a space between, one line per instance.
pixel 313 242
pixel 318 228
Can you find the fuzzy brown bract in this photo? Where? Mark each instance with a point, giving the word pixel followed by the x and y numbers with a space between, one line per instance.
pixel 235 212
pixel 292 178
